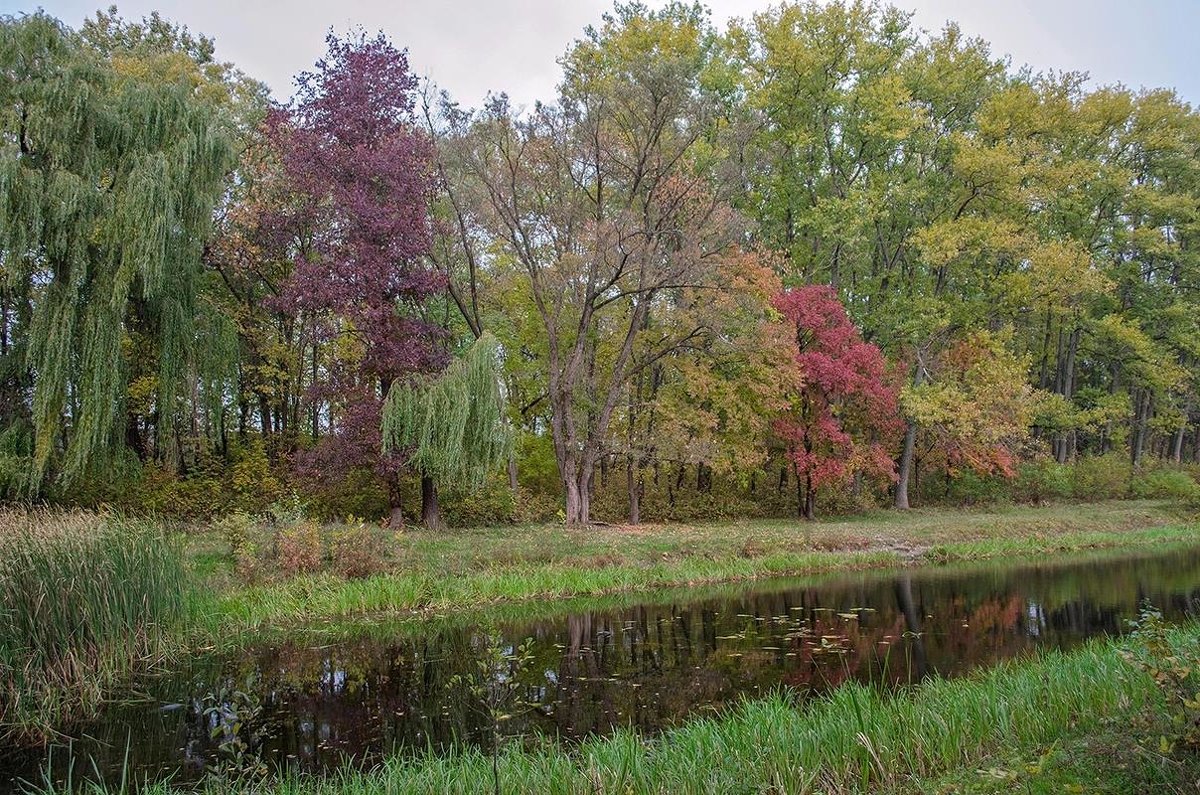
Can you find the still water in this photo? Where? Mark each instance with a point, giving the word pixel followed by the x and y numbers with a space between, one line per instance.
pixel 310 703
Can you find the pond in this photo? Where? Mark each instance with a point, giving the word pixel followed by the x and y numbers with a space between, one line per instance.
pixel 646 662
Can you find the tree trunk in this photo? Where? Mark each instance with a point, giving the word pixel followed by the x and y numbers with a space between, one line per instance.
pixel 585 495
pixel 513 484
pixel 905 467
pixel 1177 446
pixel 810 499
pixel 396 516
pixel 1141 416
pixel 799 494
pixel 431 511
pixel 574 503
pixel 631 484
pixel 264 415
pixel 1064 445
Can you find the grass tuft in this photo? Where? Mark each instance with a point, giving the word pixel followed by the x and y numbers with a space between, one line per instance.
pixel 86 599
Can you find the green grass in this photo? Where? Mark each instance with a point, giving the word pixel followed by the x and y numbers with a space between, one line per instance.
pixel 85 599
pixel 471 568
pixel 1052 723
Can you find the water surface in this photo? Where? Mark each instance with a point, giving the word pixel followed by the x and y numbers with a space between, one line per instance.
pixel 648 663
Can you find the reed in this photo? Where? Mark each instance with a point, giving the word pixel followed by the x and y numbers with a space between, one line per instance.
pixel 87 599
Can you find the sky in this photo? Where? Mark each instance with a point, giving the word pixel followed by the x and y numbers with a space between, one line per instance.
pixel 471 47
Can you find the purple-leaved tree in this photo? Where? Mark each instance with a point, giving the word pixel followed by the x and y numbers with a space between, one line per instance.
pixel 362 173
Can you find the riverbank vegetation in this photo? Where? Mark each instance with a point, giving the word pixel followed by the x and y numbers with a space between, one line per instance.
pixel 93 599
pixel 1092 720
pixel 873 266
pixel 468 568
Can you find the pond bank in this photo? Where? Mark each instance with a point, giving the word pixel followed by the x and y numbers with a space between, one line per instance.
pixel 458 572
pixel 467 569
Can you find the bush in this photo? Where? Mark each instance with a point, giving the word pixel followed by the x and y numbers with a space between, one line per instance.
pixel 1164 484
pixel 238 531
pixel 493 504
pixel 360 493
pixel 358 550
pixel 163 493
pixel 299 549
pixel 971 488
pixel 1042 481
pixel 1103 477
pixel 1175 669
pixel 252 485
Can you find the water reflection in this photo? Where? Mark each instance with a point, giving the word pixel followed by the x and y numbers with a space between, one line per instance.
pixel 647 666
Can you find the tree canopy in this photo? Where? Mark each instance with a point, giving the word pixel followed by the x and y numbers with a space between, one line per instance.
pixel 819 253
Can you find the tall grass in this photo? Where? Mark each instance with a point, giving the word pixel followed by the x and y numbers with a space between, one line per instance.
pixel 84 599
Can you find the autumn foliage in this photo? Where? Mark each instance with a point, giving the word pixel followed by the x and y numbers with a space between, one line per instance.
pixel 363 177
pixel 844 419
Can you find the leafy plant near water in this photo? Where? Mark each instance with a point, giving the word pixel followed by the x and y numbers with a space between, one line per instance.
pixel 232 712
pixel 86 598
pixel 496 688
pixel 1175 669
pixel 264 551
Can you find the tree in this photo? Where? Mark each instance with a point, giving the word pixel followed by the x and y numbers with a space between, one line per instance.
pixel 258 233
pixel 453 428
pixel 606 203
pixel 710 404
pixel 109 174
pixel 843 420
pixel 976 406
pixel 362 172
pixel 854 128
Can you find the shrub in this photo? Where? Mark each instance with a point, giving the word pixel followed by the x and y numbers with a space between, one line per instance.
pixel 360 493
pixel 1164 484
pixel 535 507
pixel 161 492
pixel 299 549
pixel 238 531
pixel 358 550
pixel 493 504
pixel 971 488
pixel 252 486
pixel 1103 477
pixel 1175 669
pixel 1042 481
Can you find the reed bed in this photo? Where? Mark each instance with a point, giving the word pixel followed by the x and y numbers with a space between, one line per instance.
pixel 85 599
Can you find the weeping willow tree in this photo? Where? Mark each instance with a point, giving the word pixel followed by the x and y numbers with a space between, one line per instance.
pixel 109 173
pixel 451 429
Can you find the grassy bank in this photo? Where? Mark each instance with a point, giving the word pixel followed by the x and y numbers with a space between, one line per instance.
pixel 1054 723
pixel 468 568
pixel 85 600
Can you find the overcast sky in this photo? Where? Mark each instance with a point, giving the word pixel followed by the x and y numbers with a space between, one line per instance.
pixel 474 46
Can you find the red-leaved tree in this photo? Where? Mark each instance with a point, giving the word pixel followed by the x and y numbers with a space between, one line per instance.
pixel 363 175
pixel 845 416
